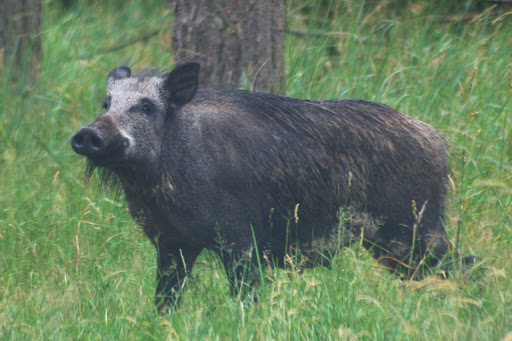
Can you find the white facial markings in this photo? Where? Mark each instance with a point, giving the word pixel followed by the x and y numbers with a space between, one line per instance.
pixel 126 93
pixel 137 129
pixel 131 140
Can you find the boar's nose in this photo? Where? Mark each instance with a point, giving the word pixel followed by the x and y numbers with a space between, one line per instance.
pixel 88 141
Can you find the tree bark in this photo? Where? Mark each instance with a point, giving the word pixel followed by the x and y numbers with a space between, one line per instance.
pixel 236 41
pixel 20 42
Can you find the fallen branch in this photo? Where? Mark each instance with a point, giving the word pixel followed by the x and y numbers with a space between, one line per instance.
pixel 337 35
pixel 120 46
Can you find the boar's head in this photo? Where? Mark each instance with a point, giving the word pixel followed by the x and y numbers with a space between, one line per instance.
pixel 128 134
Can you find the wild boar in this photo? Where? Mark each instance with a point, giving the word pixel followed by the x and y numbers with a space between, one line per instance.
pixel 236 171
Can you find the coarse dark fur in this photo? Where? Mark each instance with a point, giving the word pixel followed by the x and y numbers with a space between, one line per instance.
pixel 221 169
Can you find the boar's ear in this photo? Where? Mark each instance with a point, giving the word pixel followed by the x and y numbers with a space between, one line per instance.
pixel 119 72
pixel 180 84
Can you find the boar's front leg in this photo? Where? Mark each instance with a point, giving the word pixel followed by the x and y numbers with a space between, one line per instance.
pixel 174 265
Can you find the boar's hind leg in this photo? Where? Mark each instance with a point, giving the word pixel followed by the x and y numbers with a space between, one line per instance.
pixel 174 265
pixel 242 271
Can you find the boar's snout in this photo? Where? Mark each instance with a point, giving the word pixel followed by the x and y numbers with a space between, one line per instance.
pixel 88 141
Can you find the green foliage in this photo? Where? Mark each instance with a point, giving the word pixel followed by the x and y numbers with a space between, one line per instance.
pixel 73 265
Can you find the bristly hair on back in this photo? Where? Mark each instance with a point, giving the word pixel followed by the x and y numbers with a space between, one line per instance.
pixel 107 178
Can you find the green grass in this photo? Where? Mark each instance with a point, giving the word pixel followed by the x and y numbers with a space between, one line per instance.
pixel 73 265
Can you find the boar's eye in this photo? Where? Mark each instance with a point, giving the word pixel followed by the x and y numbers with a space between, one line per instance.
pixel 106 103
pixel 146 106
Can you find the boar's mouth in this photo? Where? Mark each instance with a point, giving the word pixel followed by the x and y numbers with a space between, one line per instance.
pixel 104 152
pixel 100 149
pixel 108 178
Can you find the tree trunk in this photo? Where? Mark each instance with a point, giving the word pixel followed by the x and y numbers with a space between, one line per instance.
pixel 20 42
pixel 236 41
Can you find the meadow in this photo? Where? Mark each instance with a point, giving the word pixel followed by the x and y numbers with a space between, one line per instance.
pixel 73 265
